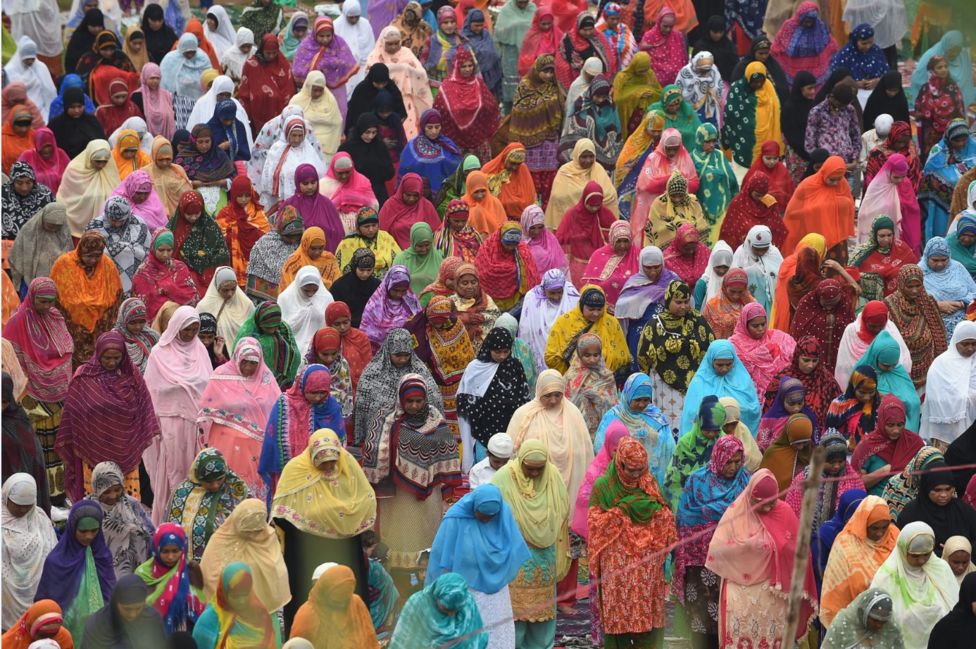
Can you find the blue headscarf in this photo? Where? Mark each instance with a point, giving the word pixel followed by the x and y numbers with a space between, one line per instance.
pixel 953 282
pixel 897 381
pixel 488 555
pixel 70 81
pixel 236 134
pixel 823 539
pixel 650 426
pixel 960 68
pixel 423 624
pixel 737 384
pixel 863 65
pixel 706 494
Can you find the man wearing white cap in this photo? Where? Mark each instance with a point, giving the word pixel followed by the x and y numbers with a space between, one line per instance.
pixel 499 451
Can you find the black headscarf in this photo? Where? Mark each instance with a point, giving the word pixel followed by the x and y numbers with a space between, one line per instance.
pixel 158 43
pixel 955 518
pixel 372 159
pixel 21 448
pixel 82 40
pixel 958 628
pixel 74 133
pixel 364 96
pixel 773 69
pixel 507 388
pixel 879 103
pixel 723 51
pixel 106 629
pixel 962 453
pixel 795 112
pixel 838 75
pixel 817 158
pixel 353 291
pixel 208 325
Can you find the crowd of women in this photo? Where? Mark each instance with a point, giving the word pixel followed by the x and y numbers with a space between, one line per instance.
pixel 418 325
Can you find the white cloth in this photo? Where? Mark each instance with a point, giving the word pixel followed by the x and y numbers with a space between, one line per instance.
pixel 496 617
pixel 886 16
pixel 721 256
pixel 181 76
pixel 358 37
pixel 852 348
pixel 305 315
pixel 869 140
pixel 481 473
pixel 37 78
pixel 222 39
pixel 26 543
pixel 231 313
pixel 950 390
pixel 38 19
pixel 138 125
pixel 538 316
pixel 475 381
pixel 204 109
pixel 233 59
pixel 592 66
pixel 289 157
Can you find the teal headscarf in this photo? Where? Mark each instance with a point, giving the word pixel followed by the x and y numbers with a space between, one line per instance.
pixel 694 449
pixel 965 255
pixel 717 182
pixel 423 268
pixel 422 624
pixel 687 120
pixel 897 381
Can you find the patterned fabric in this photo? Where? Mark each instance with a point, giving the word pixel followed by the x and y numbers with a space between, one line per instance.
pixel 17 209
pixel 127 528
pixel 281 352
pixel 591 388
pixel 918 319
pixel 862 65
pixel 126 236
pixel 694 449
pixel 171 595
pixel 717 183
pixel 200 511
pixel 904 487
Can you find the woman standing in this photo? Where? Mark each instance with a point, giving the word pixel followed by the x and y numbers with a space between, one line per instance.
pixel 672 209
pixel 590 386
pixel 643 292
pixel 506 267
pixel 467 106
pixel 752 115
pixel 754 582
pixel 334 608
pixel 161 278
pixel 630 524
pixel 324 51
pixel 405 208
pixel 168 570
pixel 666 45
pixel 708 493
pixel 883 254
pixel 86 185
pixel 228 304
pixel 176 376
pixel 180 76
pixel 406 73
pixel 591 315
pixel 266 82
pixel 108 416
pixel 236 615
pixel 702 87
pixel 763 351
pixel 421 259
pixel 804 42
pixel 717 186
pixel 917 316
pixel 531 486
pixel 723 311
pixel 235 407
pixel 281 352
pixel 947 281
pixel 949 159
pixel 127 528
pixel 391 306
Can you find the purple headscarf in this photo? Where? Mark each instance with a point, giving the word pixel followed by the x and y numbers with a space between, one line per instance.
pixel 383 12
pixel 381 314
pixel 336 61
pixel 316 210
pixel 65 566
pixel 639 291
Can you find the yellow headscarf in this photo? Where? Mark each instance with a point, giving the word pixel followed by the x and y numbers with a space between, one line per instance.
pixel 635 88
pixel 246 536
pixel 570 181
pixel 540 505
pixel 767 110
pixel 84 189
pixel 752 456
pixel 322 114
pixel 568 325
pixel 339 506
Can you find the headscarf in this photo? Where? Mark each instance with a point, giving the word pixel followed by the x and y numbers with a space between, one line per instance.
pixel 818 207
pixel 540 505
pixel 325 264
pixel 951 283
pixel 688 268
pixel 334 615
pixel 538 107
pixel 947 412
pixel 958 66
pixel 893 378
pixel 43 239
pixel 921 596
pixel 281 352
pixel 536 43
pixel 545 248
pixel 859 621
pixel 233 58
pixel 17 209
pixel 763 357
pixel 635 88
pixel 398 218
pixel 592 389
pixel 108 415
pixel 382 314
pixel 721 312
pixel 172 596
pixel 47 170
pixel 204 167
pixel 736 383
pixel 752 116
pixel 84 189
pixel 37 78
pixel 248 624
pixel 798 47
pixel 539 314
pixel 170 183
pixel 180 75
pixel 694 449
pixel 424 622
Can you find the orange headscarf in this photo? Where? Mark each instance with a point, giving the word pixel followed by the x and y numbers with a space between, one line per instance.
pixel 854 558
pixel 41 613
pixel 781 315
pixel 515 191
pixel 86 299
pixel 128 139
pixel 488 214
pixel 334 611
pixel 819 207
pixel 325 262
pixel 13 144
pixel 10 298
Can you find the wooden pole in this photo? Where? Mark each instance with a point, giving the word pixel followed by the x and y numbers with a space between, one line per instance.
pixel 802 556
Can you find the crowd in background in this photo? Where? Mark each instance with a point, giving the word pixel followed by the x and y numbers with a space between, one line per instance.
pixel 487 323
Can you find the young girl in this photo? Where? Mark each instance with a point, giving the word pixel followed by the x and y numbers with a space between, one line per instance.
pixel 589 384
pixel 175 584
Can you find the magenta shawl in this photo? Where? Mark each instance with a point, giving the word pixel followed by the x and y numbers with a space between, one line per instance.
pixel 616 431
pixel 668 53
pixel 157 104
pixel 47 171
pixel 765 357
pixel 151 210
pixel 381 314
pixel 316 210
pixel 545 248
pixel 356 193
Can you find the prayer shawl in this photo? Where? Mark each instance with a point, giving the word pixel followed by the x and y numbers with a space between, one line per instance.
pixel 305 315
pixel 635 88
pixel 324 114
pixel 235 617
pixel 751 116
pixel 200 511
pixel 205 167
pixel 281 352
pixel 425 624
pixel 918 320
pixel 487 214
pixel 156 283
pixel 37 78
pixel 538 107
pixel 537 43
pixel 87 299
pixel 855 341
pixel 781 184
pixel 886 263
pixel 736 383
pixel 84 188
pixel 179 75
pixel 127 526
pixel 583 232
pixel 467 105
pixel 949 407
pixel 688 268
pixel 717 182
pixel 820 387
pixel 126 239
pixel 568 327
pixel 169 183
pixel 765 356
pixel 702 87
pixel 27 541
pixel 684 119
pixel 669 53
pixel 380 381
pixel 571 181
pixel 43 239
pixel 798 47
pixel 242 227
pixel 325 263
pixel 138 345
pixel 721 312
pixel 418 452
pixel 616 432
pixel 574 49
pixel 266 85
pixel 151 210
pixel 650 426
pixel 383 314
pixel 539 313
pixel 232 313
pixel 49 170
pixel 506 275
pixel 862 65
pixel 705 498
pixel 333 610
pixel 171 595
pixel 200 245
pixel 108 416
pixel 819 207
pixel 694 449
pixel 42 343
pixel 952 283
pixel 17 209
pixel 545 248
pixel 540 505
pixel 592 388
pixel 895 200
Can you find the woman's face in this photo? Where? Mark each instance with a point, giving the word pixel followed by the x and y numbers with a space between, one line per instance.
pixel 111 359
pixel 959 562
pixel 204 142
pixel 400 360
pixel 865 45
pixel 411 198
pixel 793 403
pixel 877 531
pixel 897 178
pixel 653 272
pixel 809 92
pixel 592 313
pixel 189 332
pixel 966 348
pixel 893 429
pixel 545 24
pixel 130 153
pixel 500 355
pixel 193 217
pixel 551 400
pixel 369 134
pixel 865 393
pixel 941 69
pixel 432 131
pixel 326 356
pixel 479 195
pixel 590 356
pixel 364 273
pixel 586 159
pixel 885 238
pixel 164 160
pixel 316 397
pixel 368 230
pixel 722 366
pixel 666 26
pixel 621 246
pixel 342 324
pixel 532 469
pixel 640 404
pixel 247 368
pixel 135 326
pixel 708 146
pixel 449 26
pixel 422 248
pixel 391 47
pixel 397 292
pixel 315 250
pixel 547 74
pixel 937 263
pixel 107 52
pixel 189 54
pixel 414 405
pixel 164 252
pixel 467 69
pixel 917 560
pixel 90 259
pixel 671 150
pixel 966 238
pixel 169 555
pixel 467 287
pixel 679 306
pixel 732 466
pixel 536 230
pixel 46 151
pixel 942 494
pixel 309 290
pixel 74 111
pixel 959 142
pixel 111 496
pixel 914 289
pixel 317 91
pixel 833 181
pixel 808 363
pixel 757 327
pixel 23 186
pixel 770 161
pixel 554 295
pixel 86 537
pixel 735 293
pixel 296 136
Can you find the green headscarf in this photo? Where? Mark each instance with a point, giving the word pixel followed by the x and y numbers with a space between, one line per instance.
pixel 694 449
pixel 453 186
pixel 281 353
pixel 717 180
pixel 687 121
pixel 881 222
pixel 609 490
pixel 423 268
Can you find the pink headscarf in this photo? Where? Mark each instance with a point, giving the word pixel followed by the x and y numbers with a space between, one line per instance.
pixel 895 200
pixel 251 399
pixel 157 104
pixel 765 357
pixel 151 210
pixel 545 248
pixel 355 193
pixel 616 432
pixel 174 363
pixel 607 270
pixel 749 548
pixel 48 171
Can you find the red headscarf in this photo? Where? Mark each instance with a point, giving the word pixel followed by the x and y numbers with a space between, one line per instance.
pixel 581 229
pixel 469 110
pixel 781 184
pixel 745 212
pixel 537 42
pixel 48 171
pixel 110 116
pixel 266 85
pixel 812 319
pixel 503 272
pixel 688 267
pixel 874 313
pixel 396 217
pixel 897 453
pixel 355 344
